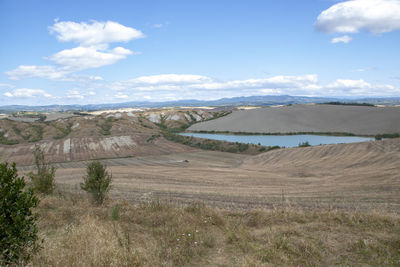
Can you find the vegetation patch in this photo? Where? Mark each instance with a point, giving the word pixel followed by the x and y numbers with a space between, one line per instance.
pixel 278 133
pixel 6 141
pixel 153 137
pixel 348 104
pixel 304 144
pixel 217 145
pixel 64 132
pixel 386 136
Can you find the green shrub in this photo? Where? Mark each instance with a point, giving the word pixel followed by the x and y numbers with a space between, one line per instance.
pixel 18 230
pixel 115 212
pixel 43 179
pixel 97 181
pixel 304 144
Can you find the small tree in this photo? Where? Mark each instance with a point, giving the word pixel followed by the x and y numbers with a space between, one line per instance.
pixel 43 179
pixel 18 230
pixel 97 181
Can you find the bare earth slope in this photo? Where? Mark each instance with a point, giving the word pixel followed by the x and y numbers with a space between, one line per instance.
pixel 359 120
pixel 343 176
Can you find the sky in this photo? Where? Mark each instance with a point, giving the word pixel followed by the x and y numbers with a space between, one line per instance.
pixel 113 51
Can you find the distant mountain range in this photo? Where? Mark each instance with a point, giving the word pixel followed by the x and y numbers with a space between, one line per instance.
pixel 235 101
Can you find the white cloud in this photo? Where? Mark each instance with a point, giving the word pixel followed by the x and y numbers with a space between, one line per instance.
pixel 375 16
pixel 81 57
pixel 23 71
pixel 27 93
pixel 342 39
pixel 158 25
pixel 74 94
pixel 121 96
pixel 305 81
pixel 93 50
pixel 97 32
pixel 171 79
pixel 343 87
pixel 6 85
pixel 49 72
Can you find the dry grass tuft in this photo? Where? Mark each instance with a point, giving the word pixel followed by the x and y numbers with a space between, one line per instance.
pixel 156 233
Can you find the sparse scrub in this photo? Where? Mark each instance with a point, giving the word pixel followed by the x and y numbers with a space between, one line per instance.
pixel 153 137
pixel 18 132
pixel 39 133
pixel 64 132
pixel 5 141
pixel 18 230
pixel 97 181
pixel 43 179
pixel 106 128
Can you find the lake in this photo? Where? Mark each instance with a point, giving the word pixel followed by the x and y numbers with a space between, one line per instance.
pixel 282 140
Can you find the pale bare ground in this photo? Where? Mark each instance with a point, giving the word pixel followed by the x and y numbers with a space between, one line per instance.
pixel 348 176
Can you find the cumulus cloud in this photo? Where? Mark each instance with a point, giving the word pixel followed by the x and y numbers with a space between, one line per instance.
pixel 27 93
pixel 93 51
pixel 96 32
pixel 375 16
pixel 342 39
pixel 28 71
pixel 49 72
pixel 80 58
pixel 171 79
pixel 6 85
pixel 121 96
pixel 343 87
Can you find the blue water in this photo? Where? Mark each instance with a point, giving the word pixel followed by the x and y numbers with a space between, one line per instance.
pixel 282 140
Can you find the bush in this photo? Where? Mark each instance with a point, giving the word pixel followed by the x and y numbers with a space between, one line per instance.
pixel 97 181
pixel 18 230
pixel 43 179
pixel 304 144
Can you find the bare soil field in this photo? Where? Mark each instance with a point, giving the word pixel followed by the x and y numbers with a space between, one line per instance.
pixel 359 120
pixel 349 176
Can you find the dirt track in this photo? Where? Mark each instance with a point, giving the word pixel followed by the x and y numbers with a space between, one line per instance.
pixel 359 120
pixel 344 176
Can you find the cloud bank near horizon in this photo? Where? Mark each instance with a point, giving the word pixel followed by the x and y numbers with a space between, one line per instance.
pixel 166 87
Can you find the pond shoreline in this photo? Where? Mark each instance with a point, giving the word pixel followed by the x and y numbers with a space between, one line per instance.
pixel 282 140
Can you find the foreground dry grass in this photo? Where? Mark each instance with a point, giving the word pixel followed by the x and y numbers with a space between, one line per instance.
pixel 120 233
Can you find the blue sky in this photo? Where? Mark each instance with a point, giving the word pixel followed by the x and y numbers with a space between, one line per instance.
pixel 79 52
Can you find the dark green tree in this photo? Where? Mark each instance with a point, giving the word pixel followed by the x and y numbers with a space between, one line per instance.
pixel 97 181
pixel 18 230
pixel 43 179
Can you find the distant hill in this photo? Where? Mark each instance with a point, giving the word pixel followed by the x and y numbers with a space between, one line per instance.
pixel 235 101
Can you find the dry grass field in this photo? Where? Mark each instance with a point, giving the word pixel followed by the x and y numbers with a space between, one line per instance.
pixel 76 233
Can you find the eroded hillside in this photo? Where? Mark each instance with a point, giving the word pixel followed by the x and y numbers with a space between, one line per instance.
pixel 109 135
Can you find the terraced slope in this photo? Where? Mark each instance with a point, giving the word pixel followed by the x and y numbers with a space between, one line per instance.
pixel 359 120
